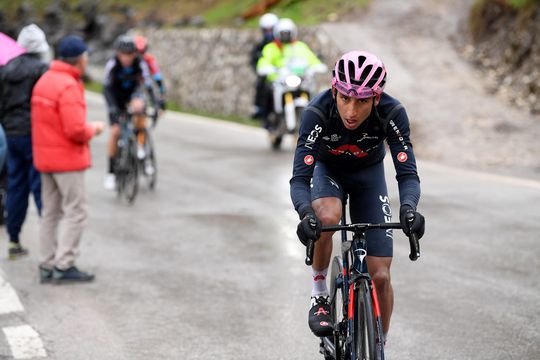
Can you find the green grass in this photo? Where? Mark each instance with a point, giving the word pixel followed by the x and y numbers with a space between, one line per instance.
pixel 519 4
pixel 93 86
pixel 214 12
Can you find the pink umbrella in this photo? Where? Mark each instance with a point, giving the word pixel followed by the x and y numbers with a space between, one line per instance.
pixel 9 49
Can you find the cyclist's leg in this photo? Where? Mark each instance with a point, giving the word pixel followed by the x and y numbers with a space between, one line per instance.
pixel 113 144
pixel 369 203
pixel 326 201
pixel 326 195
pixel 114 133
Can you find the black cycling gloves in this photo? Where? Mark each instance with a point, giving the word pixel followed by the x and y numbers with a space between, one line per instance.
pixel 309 228
pixel 411 221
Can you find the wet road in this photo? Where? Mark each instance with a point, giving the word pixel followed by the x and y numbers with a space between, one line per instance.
pixel 208 266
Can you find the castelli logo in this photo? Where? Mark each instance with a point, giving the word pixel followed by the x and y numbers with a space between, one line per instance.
pixel 308 159
pixel 324 323
pixel 402 157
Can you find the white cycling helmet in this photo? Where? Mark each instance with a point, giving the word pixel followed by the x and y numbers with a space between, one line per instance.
pixel 285 31
pixel 268 21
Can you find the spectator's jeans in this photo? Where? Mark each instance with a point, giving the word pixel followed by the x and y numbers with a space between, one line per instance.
pixel 63 198
pixel 22 178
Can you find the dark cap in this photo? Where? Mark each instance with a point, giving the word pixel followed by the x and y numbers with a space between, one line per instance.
pixel 71 46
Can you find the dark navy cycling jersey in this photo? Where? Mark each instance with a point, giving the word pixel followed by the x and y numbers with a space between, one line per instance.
pixel 324 138
pixel 122 83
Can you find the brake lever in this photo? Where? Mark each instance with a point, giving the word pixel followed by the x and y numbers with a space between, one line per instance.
pixel 309 252
pixel 413 240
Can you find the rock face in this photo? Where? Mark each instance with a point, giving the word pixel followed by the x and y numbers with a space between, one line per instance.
pixel 208 69
pixel 507 44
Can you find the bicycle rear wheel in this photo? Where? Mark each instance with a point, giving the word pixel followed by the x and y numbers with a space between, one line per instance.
pixel 364 325
pixel 151 177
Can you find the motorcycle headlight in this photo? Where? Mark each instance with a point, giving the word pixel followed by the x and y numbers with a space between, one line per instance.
pixel 293 81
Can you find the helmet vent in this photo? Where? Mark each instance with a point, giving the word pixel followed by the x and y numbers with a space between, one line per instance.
pixel 375 77
pixel 352 72
pixel 361 60
pixel 341 70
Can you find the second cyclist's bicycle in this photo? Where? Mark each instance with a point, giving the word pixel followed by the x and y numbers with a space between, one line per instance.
pixel 135 156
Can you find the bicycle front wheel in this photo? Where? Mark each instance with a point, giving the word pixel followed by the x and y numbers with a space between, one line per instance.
pixel 131 181
pixel 336 349
pixel 364 325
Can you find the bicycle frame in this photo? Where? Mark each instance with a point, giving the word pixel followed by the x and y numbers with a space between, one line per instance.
pixel 354 274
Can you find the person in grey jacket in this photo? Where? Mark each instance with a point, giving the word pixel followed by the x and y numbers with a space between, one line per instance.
pixel 17 79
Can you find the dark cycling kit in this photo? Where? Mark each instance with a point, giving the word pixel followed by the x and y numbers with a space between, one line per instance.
pixel 124 83
pixel 350 162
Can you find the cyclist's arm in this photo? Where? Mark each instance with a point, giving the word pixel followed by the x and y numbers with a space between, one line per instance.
pixel 404 161
pixel 158 78
pixel 108 92
pixel 147 81
pixel 305 157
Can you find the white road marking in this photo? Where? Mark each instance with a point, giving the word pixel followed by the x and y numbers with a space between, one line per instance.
pixel 24 342
pixel 9 301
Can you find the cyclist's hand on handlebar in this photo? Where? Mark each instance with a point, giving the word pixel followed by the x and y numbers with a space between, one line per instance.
pixel 309 228
pixel 411 221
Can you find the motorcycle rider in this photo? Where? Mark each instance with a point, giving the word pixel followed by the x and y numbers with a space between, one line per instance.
pixel 276 55
pixel 267 22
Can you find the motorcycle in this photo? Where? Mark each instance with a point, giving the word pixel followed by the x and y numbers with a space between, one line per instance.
pixel 292 91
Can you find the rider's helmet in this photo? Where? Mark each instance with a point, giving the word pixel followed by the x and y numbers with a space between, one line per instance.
pixel 125 44
pixel 285 31
pixel 359 74
pixel 141 43
pixel 268 21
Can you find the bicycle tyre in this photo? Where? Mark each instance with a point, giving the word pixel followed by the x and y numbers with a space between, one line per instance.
pixel 364 325
pixel 151 178
pixel 121 164
pixel 336 303
pixel 131 181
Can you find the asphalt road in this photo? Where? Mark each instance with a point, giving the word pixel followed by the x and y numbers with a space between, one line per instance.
pixel 208 266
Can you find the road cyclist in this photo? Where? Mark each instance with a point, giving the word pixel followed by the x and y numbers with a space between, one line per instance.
pixel 128 85
pixel 340 151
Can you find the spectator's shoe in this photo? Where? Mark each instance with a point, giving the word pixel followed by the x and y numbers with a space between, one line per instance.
pixel 45 275
pixel 16 251
pixel 70 275
pixel 320 317
pixel 110 182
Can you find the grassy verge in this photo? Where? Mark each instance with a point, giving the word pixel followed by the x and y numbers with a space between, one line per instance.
pixel 214 12
pixel 171 106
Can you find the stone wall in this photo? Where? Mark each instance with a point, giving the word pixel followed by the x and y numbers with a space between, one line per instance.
pixel 208 69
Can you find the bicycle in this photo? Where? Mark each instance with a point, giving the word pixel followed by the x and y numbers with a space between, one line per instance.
pixel 129 163
pixel 358 333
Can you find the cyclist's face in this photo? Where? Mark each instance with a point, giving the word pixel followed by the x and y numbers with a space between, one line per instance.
pixel 354 112
pixel 126 59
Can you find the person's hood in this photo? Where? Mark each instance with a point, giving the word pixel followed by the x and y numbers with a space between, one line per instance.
pixel 32 38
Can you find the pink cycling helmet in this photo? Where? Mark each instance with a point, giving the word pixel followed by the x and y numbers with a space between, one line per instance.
pixel 359 74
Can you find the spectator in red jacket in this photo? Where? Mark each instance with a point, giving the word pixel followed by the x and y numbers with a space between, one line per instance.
pixel 60 136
